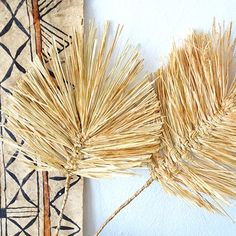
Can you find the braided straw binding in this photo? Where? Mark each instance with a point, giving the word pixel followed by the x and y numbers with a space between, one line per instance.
pixel 197 93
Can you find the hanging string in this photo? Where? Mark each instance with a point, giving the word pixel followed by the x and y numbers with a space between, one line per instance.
pixel 67 187
pixel 126 203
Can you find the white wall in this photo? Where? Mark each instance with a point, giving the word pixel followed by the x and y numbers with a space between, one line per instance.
pixel 153 24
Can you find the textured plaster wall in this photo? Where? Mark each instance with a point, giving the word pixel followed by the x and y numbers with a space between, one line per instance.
pixel 153 24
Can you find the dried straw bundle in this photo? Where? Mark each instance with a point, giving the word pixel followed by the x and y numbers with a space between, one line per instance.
pixel 197 91
pixel 86 116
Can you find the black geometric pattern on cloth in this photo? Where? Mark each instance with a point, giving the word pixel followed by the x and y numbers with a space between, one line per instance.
pixel 74 228
pixel 31 206
pixel 49 31
pixel 6 29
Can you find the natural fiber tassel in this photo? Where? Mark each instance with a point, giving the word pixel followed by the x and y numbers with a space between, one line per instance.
pixel 86 116
pixel 197 92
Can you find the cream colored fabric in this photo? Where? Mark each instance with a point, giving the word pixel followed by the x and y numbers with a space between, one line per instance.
pixel 26 28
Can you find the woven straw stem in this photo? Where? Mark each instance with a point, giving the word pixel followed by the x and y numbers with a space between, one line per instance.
pixel 67 187
pixel 126 203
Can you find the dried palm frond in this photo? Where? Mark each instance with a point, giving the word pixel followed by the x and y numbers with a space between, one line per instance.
pixel 88 115
pixel 197 92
